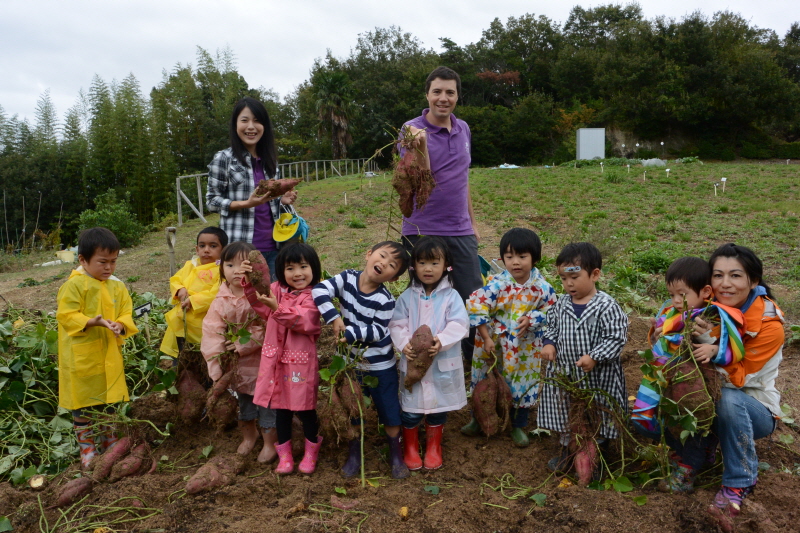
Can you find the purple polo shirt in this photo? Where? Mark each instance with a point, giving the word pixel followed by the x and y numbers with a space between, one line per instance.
pixel 447 210
pixel 263 223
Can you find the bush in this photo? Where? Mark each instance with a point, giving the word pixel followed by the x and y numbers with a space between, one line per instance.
pixel 653 261
pixel 788 150
pixel 115 214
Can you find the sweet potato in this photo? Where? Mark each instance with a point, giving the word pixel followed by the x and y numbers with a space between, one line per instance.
pixel 217 472
pixel 191 397
pixel 223 412
pixel 484 404
pixel 505 400
pixel 412 177
pixel 421 342
pixel 274 188
pixel 260 277
pixel 333 418
pixel 585 461
pixel 105 462
pixel 349 391
pixel 132 464
pixel 73 491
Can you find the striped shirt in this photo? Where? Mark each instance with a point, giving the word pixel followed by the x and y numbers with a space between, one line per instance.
pixel 366 317
pixel 601 332
pixel 230 181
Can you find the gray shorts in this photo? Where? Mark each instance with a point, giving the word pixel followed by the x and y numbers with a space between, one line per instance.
pixel 250 411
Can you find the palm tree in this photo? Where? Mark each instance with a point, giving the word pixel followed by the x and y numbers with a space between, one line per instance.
pixel 334 104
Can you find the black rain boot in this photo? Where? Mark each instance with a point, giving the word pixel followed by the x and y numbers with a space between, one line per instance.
pixel 399 468
pixel 353 464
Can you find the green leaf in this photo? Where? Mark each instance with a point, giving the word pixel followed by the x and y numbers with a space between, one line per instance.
pixel 647 355
pixel 622 484
pixel 325 374
pixel 539 498
pixel 640 500
pixel 432 489
pixel 340 490
pixel 370 381
pixel 596 485
pixel 685 435
pixel 5 524
pixel 207 451
pixel 337 363
pixel 689 423
pixel 374 482
pixel 5 464
pixel 244 336
pixel 16 391
pixel 786 439
pixel 763 466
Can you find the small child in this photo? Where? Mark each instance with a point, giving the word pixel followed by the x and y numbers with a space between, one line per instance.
pixel 430 299
pixel 586 331
pixel 366 309
pixel 193 288
pixel 231 307
pixel 509 313
pixel 288 376
pixel 94 319
pixel 689 279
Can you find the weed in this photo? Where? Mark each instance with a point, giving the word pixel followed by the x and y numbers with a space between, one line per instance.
pixel 653 261
pixel 356 222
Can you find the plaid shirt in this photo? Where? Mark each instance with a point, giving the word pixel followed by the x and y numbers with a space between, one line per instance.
pixel 229 181
pixel 601 332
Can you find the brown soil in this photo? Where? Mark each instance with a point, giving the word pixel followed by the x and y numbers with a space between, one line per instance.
pixel 465 501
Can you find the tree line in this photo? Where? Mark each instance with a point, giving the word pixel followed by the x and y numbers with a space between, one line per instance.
pixel 712 86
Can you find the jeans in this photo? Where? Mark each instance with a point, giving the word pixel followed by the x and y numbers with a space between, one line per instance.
pixel 270 257
pixel 250 411
pixel 741 420
pixel 412 420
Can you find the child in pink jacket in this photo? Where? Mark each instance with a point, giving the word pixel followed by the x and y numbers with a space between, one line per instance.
pixel 288 377
pixel 231 307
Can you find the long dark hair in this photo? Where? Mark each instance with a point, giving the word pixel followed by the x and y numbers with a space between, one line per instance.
pixel 231 252
pixel 265 148
pixel 747 258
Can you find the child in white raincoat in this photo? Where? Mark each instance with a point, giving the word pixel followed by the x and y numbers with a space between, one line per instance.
pixel 430 299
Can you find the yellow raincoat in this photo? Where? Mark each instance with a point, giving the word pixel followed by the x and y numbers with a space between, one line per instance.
pixel 202 283
pixel 90 366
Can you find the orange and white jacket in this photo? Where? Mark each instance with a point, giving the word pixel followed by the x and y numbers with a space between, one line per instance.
pixel 763 343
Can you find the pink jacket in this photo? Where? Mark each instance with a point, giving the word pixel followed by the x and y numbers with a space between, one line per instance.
pixel 288 376
pixel 235 310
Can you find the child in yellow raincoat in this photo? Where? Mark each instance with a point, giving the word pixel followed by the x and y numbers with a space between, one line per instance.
pixel 94 318
pixel 193 288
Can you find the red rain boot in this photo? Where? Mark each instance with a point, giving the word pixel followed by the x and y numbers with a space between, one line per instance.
pixel 411 448
pixel 433 449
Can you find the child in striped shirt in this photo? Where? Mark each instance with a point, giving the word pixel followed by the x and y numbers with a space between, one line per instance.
pixel 363 323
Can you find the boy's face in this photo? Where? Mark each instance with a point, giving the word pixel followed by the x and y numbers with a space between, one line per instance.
pixel 102 264
pixel 578 282
pixel 382 265
pixel 678 290
pixel 518 264
pixel 208 248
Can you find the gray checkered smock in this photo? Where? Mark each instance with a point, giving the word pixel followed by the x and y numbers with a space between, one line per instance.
pixel 230 181
pixel 601 332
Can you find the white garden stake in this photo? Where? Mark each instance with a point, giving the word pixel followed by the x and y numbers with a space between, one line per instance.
pixel 345 198
pixel 715 188
pixel 723 180
pixel 629 169
pixel 601 167
pixel 645 175
pixel 667 173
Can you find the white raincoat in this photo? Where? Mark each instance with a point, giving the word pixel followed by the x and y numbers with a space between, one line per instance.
pixel 442 389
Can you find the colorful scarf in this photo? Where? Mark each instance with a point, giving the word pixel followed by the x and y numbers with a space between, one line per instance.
pixel 728 331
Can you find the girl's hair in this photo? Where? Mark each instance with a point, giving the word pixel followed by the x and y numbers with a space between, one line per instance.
pixel 297 252
pixel 265 148
pixel 427 249
pixel 522 240
pixel 231 252
pixel 747 258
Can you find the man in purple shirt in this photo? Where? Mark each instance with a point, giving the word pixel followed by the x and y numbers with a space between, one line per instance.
pixel 448 213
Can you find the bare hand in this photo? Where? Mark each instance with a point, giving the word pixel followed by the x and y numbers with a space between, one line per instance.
pixel 437 346
pixel 181 294
pixel 523 323
pixel 186 304
pixel 244 269
pixel 704 353
pixel 116 327
pixel 409 352
pixel 338 329
pixel 268 300
pixel 98 321
pixel 700 326
pixel 549 352
pixel 586 363
pixel 289 197
pixel 230 346
pixel 420 138
pixel 254 200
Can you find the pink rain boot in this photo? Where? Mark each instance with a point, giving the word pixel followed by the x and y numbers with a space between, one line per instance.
pixel 285 459
pixel 309 462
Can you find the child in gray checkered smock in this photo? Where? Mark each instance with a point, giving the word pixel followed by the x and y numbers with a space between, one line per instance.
pixel 586 330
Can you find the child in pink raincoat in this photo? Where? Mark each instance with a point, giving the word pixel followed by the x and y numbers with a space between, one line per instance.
pixel 231 307
pixel 288 377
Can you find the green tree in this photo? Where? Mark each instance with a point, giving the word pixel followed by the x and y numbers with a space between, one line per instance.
pixel 333 94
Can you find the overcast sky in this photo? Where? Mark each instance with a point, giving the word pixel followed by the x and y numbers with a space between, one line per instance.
pixel 60 45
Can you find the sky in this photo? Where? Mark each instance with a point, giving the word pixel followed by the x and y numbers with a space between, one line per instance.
pixel 59 46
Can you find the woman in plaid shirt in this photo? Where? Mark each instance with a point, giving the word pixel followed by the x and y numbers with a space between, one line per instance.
pixel 234 173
